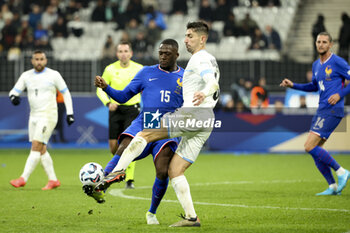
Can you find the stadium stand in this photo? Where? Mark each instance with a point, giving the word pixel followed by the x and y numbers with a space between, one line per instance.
pixel 79 56
pixel 90 44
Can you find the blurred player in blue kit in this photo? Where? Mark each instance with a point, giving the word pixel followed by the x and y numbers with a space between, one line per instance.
pixel 161 92
pixel 330 73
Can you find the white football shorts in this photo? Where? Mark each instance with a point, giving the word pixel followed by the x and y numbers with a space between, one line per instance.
pixel 40 129
pixel 194 125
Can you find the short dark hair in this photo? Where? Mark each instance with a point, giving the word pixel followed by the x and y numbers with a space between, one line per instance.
pixel 326 34
pixel 125 42
pixel 171 42
pixel 38 51
pixel 198 26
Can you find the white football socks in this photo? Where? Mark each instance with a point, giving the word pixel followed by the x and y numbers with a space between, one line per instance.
pixel 333 186
pixel 134 149
pixel 32 160
pixel 47 163
pixel 340 171
pixel 182 190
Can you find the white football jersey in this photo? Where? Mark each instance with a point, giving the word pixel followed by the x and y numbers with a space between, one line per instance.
pixel 200 64
pixel 41 90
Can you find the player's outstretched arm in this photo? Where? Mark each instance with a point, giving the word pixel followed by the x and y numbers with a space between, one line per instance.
pixel 308 87
pixel 120 96
pixel 286 83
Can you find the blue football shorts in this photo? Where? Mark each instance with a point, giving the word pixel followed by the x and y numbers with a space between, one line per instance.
pixel 153 148
pixel 324 125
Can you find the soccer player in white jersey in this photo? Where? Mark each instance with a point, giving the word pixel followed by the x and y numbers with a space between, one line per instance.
pixel 200 93
pixel 41 84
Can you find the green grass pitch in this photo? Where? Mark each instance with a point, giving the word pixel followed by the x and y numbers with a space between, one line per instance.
pixel 254 193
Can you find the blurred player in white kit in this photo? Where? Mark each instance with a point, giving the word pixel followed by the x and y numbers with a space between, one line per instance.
pixel 41 83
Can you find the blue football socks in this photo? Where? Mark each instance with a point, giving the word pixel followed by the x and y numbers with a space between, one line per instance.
pixel 325 171
pixel 325 157
pixel 111 164
pixel 158 191
pixel 324 161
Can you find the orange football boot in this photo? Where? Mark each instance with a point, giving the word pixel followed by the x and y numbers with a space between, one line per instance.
pixel 20 182
pixel 52 184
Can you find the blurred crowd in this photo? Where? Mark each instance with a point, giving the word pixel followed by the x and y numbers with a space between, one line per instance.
pixel 252 96
pixel 245 95
pixel 31 24
pixel 261 38
pixel 343 36
pixel 248 96
pixel 143 34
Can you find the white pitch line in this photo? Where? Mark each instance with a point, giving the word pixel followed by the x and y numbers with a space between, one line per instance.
pixel 252 182
pixel 245 182
pixel 120 193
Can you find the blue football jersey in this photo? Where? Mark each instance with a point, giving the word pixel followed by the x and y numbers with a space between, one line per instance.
pixel 329 78
pixel 160 90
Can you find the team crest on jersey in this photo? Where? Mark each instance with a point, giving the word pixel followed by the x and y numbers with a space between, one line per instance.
pixel 179 82
pixel 328 71
pixel 179 86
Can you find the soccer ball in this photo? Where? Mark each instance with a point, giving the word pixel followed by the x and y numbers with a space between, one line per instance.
pixel 91 173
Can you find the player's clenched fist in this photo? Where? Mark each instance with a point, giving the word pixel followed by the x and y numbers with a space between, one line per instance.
pixel 100 82
pixel 286 83
pixel 333 99
pixel 198 98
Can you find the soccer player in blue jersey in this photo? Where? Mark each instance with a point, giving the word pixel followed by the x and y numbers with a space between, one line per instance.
pixel 329 75
pixel 200 95
pixel 161 92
